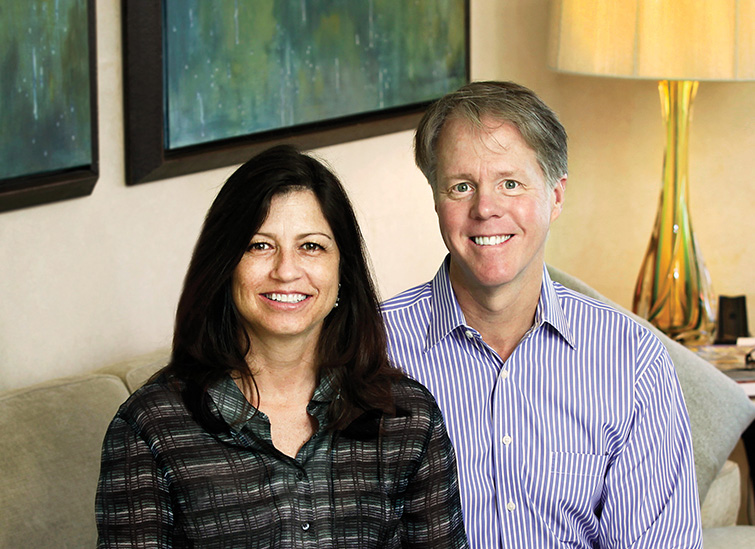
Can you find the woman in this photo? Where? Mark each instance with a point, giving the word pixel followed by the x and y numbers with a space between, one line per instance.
pixel 279 421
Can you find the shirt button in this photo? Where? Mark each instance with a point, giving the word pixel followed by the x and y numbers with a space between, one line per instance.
pixel 505 374
pixel 305 525
pixel 510 506
pixel 469 334
pixel 506 440
pixel 299 475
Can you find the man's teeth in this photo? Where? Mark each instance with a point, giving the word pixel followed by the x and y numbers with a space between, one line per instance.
pixel 490 240
pixel 287 298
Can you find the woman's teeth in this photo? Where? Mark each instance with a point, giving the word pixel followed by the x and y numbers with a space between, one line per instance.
pixel 286 298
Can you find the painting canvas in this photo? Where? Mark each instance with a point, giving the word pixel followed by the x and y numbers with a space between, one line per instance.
pixel 210 83
pixel 46 98
pixel 248 66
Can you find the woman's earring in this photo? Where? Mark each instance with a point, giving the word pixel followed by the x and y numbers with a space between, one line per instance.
pixel 338 297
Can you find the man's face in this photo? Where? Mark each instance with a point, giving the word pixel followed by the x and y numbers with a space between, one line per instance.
pixel 493 204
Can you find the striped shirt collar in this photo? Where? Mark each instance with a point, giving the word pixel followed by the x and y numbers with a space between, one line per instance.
pixel 446 314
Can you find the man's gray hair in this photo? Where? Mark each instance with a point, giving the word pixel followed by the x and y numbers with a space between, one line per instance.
pixel 504 102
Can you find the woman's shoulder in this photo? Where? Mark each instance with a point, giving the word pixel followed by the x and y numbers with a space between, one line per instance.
pixel 158 398
pixel 410 395
pixel 406 384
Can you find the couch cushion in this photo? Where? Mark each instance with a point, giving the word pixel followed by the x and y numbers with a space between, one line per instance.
pixel 719 410
pixel 730 537
pixel 136 371
pixel 50 459
pixel 721 505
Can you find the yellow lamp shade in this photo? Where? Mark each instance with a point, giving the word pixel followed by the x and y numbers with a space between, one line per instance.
pixel 654 39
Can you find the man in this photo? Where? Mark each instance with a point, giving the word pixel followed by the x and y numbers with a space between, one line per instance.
pixel 567 418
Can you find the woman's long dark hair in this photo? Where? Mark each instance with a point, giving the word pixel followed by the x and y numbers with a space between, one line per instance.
pixel 209 340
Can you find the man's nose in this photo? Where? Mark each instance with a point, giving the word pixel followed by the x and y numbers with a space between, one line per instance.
pixel 486 204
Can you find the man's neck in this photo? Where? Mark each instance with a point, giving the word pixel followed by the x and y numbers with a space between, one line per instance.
pixel 502 315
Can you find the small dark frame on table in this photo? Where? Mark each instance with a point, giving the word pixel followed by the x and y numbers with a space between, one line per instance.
pixel 149 154
pixel 53 91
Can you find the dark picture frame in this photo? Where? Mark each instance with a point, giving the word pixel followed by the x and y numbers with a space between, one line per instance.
pixel 149 158
pixel 50 183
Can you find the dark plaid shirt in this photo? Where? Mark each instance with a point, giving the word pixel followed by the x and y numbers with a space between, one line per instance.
pixel 166 482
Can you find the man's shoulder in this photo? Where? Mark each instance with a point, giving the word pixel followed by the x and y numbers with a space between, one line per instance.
pixel 570 298
pixel 416 296
pixel 407 318
pixel 595 314
pixel 568 295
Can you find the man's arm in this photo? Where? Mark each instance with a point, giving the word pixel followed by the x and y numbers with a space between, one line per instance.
pixel 650 497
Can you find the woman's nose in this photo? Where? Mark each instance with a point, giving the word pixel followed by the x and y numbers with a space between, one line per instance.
pixel 286 265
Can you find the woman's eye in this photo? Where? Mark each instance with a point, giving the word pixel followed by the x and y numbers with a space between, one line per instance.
pixel 312 246
pixel 256 246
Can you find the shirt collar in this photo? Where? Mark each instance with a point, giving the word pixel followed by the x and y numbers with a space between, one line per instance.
pixel 446 315
pixel 325 393
pixel 234 409
pixel 549 309
pixel 230 402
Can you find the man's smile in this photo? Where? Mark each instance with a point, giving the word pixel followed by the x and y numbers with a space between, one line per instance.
pixel 490 240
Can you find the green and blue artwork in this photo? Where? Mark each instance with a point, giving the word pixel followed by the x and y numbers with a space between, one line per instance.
pixel 240 67
pixel 44 87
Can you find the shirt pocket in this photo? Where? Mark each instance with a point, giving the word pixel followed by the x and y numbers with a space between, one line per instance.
pixel 574 490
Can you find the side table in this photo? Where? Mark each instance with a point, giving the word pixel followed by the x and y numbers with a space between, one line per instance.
pixel 731 360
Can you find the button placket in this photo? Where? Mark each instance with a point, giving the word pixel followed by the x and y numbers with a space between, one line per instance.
pixel 304 504
pixel 507 469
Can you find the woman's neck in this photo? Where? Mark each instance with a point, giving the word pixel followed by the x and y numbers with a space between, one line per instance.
pixel 283 369
pixel 285 376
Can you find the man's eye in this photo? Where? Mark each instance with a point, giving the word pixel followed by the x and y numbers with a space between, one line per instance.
pixel 510 185
pixel 461 187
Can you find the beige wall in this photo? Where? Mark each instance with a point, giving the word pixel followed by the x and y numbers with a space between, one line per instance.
pixel 90 281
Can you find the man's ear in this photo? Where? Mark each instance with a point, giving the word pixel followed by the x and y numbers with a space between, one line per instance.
pixel 559 194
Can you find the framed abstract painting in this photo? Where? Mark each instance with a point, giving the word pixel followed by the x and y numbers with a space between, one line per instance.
pixel 48 102
pixel 208 84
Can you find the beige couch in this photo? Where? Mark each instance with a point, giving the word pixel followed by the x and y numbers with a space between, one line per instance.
pixel 51 435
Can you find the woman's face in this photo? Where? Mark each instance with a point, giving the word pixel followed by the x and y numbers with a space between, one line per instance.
pixel 287 281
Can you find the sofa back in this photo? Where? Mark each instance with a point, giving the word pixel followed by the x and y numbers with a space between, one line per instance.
pixel 49 458
pixel 52 438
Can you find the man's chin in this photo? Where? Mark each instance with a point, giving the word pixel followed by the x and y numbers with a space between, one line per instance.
pixel 485 280
pixel 494 278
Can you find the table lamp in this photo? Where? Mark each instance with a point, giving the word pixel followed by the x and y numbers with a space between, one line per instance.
pixel 678 43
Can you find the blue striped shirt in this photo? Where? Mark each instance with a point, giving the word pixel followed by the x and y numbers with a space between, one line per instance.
pixel 580 438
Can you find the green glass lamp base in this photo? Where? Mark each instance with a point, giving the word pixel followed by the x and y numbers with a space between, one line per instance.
pixel 673 290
